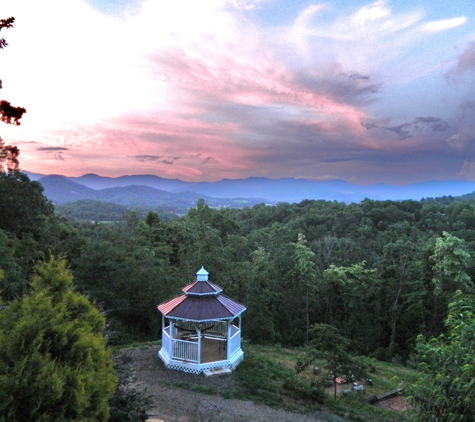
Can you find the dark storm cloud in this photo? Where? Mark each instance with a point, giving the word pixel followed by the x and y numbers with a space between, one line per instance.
pixel 350 88
pixel 58 151
pixel 466 61
pixel 402 130
pixel 52 149
pixel 144 157
pixel 440 127
pixel 462 78
pixel 155 158
pixel 207 159
pixel 409 129
pixel 309 150
pixel 359 76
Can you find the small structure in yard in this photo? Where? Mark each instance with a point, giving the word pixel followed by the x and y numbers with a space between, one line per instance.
pixel 201 329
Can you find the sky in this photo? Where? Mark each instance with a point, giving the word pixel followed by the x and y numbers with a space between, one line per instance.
pixel 366 92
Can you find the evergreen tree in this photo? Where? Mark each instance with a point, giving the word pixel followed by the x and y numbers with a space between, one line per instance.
pixel 54 365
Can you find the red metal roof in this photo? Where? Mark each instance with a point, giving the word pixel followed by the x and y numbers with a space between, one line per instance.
pixel 166 307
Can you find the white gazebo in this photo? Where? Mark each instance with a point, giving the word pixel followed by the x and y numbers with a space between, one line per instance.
pixel 201 329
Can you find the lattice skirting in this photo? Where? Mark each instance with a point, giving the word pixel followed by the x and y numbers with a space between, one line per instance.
pixel 195 369
pixel 184 369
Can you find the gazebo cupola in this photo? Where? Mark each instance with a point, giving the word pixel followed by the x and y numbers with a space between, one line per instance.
pixel 201 329
pixel 202 275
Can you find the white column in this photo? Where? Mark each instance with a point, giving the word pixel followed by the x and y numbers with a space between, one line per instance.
pixel 228 340
pixel 199 345
pixel 240 331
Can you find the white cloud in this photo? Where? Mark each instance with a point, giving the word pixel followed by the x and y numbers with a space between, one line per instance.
pixel 443 25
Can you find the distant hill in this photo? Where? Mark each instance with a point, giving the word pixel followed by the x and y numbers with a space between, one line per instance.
pixel 262 189
pixel 98 182
pixel 61 190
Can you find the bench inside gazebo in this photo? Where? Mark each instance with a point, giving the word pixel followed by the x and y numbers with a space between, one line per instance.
pixel 201 329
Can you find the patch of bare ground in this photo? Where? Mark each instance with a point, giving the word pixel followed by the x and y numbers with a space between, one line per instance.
pixel 181 397
pixel 397 404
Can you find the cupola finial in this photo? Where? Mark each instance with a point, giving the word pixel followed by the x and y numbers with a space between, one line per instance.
pixel 202 275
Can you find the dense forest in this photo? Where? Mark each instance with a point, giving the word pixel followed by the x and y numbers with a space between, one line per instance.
pixel 381 273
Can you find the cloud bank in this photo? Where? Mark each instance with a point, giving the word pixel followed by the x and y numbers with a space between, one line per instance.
pixel 216 89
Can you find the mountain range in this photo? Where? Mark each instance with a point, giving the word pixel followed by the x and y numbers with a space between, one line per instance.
pixel 150 189
pixel 61 190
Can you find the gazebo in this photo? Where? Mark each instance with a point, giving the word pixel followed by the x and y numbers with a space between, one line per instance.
pixel 201 329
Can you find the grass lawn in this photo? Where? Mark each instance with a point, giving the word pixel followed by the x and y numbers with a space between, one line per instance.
pixel 267 375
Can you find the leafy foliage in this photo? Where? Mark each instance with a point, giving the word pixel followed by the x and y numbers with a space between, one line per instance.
pixel 447 393
pixel 333 348
pixel 23 207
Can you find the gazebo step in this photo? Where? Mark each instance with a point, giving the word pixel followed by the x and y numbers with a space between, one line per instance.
pixel 216 372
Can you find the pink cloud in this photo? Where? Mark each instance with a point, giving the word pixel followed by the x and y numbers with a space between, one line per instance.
pixel 250 78
pixel 180 142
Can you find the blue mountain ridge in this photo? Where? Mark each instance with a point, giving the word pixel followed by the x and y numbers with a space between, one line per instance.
pixel 281 190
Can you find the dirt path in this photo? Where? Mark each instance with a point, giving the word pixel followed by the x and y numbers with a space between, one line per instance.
pixel 174 402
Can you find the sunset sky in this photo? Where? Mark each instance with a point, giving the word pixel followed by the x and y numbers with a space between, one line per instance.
pixel 363 91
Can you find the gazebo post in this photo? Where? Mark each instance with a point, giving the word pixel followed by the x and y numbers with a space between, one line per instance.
pixel 199 345
pixel 228 342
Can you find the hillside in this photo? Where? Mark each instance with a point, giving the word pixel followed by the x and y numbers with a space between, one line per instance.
pixel 256 391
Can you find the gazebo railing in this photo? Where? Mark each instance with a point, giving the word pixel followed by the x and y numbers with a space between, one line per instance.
pixel 188 350
pixel 179 349
pixel 185 350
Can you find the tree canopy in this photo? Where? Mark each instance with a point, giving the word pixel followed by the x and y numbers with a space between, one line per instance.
pixel 447 391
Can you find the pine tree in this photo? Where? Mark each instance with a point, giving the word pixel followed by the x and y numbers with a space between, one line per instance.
pixel 54 365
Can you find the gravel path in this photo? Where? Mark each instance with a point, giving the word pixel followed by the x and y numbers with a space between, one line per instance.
pixel 174 402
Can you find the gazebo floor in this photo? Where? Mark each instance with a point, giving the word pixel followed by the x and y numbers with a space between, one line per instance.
pixel 213 350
